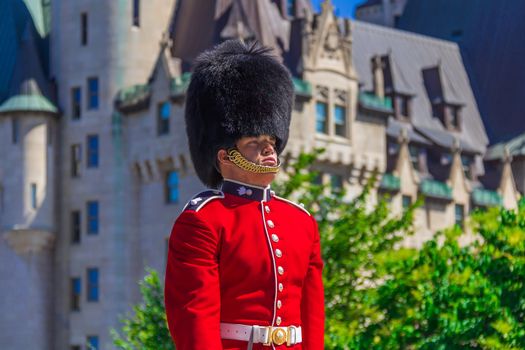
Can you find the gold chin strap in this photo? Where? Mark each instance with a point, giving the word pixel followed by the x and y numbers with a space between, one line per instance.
pixel 237 158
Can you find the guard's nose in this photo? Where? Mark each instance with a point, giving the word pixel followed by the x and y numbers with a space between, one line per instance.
pixel 268 150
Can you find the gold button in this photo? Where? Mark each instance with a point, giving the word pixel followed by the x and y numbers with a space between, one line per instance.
pixel 280 270
pixel 266 208
pixel 270 224
pixel 278 320
pixel 278 253
pixel 275 238
pixel 279 304
pixel 281 287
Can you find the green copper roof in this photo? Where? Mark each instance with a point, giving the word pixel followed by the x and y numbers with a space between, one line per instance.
pixel 390 182
pixel 302 88
pixel 180 84
pixel 23 103
pixel 372 101
pixel 435 189
pixel 484 197
pixel 133 93
pixel 41 13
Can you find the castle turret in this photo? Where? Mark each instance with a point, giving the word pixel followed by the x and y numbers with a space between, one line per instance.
pixel 27 189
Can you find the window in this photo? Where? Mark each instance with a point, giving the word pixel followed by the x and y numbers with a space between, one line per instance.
pixel 92 217
pixel 467 162
pixel 318 179
pixel 15 130
pixel 49 134
pixel 92 284
pixel 76 157
pixel 163 118
pixel 76 103
pixel 414 156
pixel 393 148
pixel 455 117
pixel 75 293
pixel 459 211
pixel 403 106
pixel 290 8
pixel 136 13
pixel 76 222
pixel 92 151
pixel 340 120
pixel 33 196
pixel 92 342
pixel 172 187
pixel 336 182
pixel 84 28
pixel 407 201
pixel 321 118
pixel 92 93
pixel 437 111
pixel 446 158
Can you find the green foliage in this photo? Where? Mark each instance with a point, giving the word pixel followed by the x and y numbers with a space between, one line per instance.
pixel 146 329
pixel 452 296
pixel 357 242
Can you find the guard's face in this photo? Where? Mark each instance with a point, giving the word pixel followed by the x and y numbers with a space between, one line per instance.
pixel 260 150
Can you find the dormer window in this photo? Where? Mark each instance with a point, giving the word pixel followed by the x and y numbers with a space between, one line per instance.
pixel 445 103
pixel 448 114
pixel 455 117
pixel 402 106
pixel 388 83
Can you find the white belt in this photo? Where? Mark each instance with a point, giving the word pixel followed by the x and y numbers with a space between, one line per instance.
pixel 267 335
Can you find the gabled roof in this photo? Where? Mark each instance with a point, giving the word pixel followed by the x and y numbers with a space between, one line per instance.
pixel 411 53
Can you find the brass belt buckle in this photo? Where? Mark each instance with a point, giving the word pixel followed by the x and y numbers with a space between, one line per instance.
pixel 279 336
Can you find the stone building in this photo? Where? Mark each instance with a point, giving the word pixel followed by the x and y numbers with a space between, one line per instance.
pixel 94 165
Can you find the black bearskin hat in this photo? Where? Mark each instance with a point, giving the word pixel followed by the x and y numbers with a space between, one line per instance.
pixel 236 90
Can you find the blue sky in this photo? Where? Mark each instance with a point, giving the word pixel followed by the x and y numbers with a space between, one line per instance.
pixel 343 8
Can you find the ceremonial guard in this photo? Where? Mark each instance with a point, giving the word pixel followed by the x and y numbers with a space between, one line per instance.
pixel 244 265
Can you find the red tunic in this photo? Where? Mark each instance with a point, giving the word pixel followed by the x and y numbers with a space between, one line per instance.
pixel 243 256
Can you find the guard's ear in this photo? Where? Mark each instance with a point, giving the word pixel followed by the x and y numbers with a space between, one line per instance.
pixel 222 157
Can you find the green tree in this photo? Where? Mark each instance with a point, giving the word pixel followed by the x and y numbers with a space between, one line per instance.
pixel 357 241
pixel 452 296
pixel 146 328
